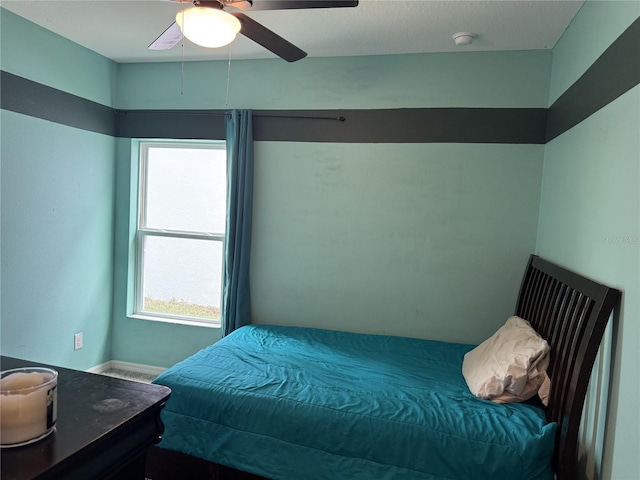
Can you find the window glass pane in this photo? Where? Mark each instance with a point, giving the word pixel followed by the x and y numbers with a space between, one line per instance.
pixel 186 189
pixel 182 276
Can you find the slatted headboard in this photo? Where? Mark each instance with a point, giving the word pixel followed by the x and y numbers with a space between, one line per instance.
pixel 571 313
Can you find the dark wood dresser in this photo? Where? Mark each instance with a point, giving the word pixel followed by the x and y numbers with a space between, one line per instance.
pixel 104 427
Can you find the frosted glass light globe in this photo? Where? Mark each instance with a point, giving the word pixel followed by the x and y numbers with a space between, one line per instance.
pixel 208 27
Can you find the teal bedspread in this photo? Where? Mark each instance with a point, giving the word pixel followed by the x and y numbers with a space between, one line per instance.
pixel 294 403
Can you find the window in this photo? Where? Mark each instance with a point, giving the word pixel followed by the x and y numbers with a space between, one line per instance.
pixel 180 231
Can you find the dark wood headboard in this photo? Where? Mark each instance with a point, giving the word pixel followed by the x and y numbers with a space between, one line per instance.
pixel 571 313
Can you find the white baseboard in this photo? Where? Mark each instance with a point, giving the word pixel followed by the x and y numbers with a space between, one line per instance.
pixel 131 367
pixel 99 368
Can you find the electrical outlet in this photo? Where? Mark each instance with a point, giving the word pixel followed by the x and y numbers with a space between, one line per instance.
pixel 77 341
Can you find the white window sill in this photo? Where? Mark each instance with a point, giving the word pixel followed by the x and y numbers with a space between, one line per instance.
pixel 177 321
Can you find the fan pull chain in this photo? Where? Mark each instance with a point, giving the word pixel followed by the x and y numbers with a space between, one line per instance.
pixel 226 99
pixel 182 61
pixel 182 70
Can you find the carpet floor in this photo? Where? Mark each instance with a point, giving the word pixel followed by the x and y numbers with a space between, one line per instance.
pixel 129 375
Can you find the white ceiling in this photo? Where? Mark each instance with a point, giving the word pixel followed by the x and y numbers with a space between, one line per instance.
pixel 122 29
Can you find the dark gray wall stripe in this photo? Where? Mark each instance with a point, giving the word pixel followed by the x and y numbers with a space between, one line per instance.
pixel 420 125
pixel 615 72
pixel 181 124
pixel 414 125
pixel 34 99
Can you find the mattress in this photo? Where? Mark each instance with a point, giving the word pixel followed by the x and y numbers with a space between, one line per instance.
pixel 293 403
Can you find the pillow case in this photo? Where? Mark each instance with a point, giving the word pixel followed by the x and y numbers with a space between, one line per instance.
pixel 510 366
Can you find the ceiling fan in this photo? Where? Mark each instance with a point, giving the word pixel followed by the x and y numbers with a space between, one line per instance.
pixel 204 18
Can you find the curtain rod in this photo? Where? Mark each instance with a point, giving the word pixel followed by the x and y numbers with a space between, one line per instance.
pixel 305 117
pixel 224 114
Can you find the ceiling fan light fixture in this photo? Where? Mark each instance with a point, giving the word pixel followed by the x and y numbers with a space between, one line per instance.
pixel 208 27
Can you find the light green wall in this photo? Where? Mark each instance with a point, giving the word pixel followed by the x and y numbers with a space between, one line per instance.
pixel 481 79
pixel 374 237
pixel 57 208
pixel 363 237
pixel 57 241
pixel 590 213
pixel 40 55
pixel 590 222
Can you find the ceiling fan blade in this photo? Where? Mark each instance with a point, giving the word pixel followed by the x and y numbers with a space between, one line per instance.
pixel 167 39
pixel 255 5
pixel 268 39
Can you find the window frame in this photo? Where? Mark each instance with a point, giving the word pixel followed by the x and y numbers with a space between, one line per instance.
pixel 140 233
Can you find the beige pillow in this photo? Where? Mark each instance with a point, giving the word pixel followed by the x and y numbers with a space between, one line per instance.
pixel 510 366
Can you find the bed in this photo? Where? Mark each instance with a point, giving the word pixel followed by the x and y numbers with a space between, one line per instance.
pixel 292 403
